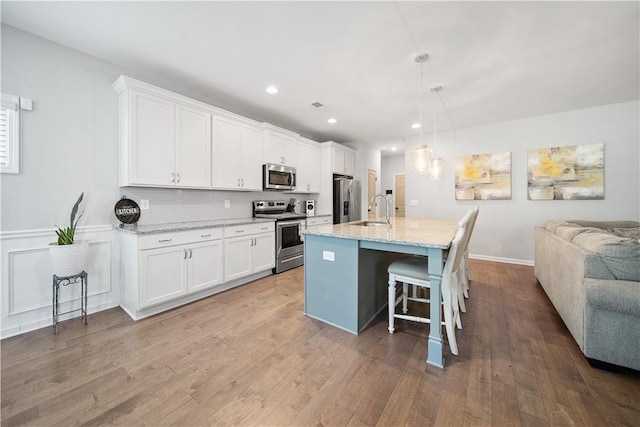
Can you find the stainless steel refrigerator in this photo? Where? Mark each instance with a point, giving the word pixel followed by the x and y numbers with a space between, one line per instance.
pixel 345 197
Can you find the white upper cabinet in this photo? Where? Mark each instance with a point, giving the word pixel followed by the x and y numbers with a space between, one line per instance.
pixel 193 147
pixel 169 140
pixel 308 167
pixel 237 155
pixel 165 141
pixel 251 148
pixel 150 142
pixel 279 146
pixel 343 160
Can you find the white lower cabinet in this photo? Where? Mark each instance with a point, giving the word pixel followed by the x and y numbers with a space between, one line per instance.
pixel 170 272
pixel 204 268
pixel 165 270
pixel 163 275
pixel 248 249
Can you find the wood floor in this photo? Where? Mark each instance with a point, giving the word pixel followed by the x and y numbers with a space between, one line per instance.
pixel 249 357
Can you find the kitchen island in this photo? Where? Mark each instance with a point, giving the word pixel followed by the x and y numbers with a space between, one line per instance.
pixel 345 278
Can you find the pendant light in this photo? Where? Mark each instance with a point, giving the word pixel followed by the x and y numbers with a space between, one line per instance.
pixel 420 159
pixel 436 166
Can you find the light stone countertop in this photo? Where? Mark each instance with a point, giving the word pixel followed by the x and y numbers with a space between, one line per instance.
pixel 190 225
pixel 434 233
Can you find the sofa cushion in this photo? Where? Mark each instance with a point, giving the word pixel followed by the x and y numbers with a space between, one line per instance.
pixel 620 255
pixel 605 225
pixel 630 233
pixel 569 231
pixel 553 224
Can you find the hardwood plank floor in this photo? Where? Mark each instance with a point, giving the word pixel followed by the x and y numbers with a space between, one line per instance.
pixel 249 356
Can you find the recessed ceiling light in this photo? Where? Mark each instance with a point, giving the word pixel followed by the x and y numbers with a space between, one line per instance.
pixel 394 148
pixel 415 126
pixel 332 120
pixel 272 90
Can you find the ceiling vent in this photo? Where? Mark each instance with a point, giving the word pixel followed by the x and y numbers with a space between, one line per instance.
pixel 320 106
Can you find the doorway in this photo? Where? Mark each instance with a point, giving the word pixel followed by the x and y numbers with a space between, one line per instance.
pixel 398 190
pixel 372 177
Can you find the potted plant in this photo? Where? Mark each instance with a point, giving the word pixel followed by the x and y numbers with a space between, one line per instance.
pixel 67 254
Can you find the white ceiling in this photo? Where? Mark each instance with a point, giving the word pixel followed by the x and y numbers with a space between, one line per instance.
pixel 496 61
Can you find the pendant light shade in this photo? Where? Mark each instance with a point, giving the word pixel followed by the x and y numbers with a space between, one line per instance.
pixel 436 169
pixel 420 157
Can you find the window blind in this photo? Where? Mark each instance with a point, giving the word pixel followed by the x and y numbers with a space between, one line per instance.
pixel 9 142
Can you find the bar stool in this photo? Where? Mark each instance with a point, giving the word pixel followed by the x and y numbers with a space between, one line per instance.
pixel 414 271
pixel 81 278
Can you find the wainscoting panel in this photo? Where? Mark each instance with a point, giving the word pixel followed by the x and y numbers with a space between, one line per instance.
pixel 27 275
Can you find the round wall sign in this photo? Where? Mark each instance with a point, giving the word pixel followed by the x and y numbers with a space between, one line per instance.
pixel 127 211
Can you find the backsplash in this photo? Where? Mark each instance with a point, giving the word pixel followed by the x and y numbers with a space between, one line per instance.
pixel 178 205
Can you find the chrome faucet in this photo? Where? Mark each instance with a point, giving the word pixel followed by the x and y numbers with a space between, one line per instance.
pixel 388 206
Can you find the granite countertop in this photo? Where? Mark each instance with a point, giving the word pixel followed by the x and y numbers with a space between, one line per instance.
pixel 190 225
pixel 425 232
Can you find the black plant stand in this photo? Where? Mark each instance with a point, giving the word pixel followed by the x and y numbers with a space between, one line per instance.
pixel 66 281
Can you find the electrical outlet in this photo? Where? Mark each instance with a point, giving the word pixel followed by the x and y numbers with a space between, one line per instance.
pixel 413 202
pixel 144 204
pixel 328 256
pixel 227 204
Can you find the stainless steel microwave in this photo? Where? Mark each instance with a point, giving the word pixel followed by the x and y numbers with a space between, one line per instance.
pixel 278 177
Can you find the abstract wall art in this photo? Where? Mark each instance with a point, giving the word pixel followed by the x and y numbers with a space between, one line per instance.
pixel 574 172
pixel 483 177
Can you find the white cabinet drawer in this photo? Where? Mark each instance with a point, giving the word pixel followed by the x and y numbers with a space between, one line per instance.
pixel 246 229
pixel 179 238
pixel 318 221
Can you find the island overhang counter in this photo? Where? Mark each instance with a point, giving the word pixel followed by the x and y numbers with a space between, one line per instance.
pixel 345 277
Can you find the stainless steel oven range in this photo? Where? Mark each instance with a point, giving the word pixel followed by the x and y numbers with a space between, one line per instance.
pixel 289 226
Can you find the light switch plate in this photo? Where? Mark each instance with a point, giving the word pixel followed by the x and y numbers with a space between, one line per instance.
pixel 144 204
pixel 328 256
pixel 26 104
pixel 413 202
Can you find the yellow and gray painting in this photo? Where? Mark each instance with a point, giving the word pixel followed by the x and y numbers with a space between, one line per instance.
pixel 483 177
pixel 566 173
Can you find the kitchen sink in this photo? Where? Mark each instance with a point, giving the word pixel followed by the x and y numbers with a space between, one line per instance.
pixel 371 223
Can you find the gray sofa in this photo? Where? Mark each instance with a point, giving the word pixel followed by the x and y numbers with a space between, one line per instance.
pixel 591 272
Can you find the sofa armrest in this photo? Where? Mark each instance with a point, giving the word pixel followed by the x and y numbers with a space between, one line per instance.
pixel 620 296
pixel 612 322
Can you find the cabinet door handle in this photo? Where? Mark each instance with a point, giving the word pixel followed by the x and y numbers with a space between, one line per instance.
pixel 205 235
pixel 164 240
pixel 185 253
pixel 178 177
pixel 238 182
pixel 190 253
pixel 173 177
pixel 242 180
pixel 264 228
pixel 239 231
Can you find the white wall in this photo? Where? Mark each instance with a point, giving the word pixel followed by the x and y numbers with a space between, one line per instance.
pixel 505 228
pixel 69 144
pixel 391 165
pixel 367 157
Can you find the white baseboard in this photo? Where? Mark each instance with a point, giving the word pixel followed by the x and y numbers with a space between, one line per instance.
pixel 44 323
pixel 501 259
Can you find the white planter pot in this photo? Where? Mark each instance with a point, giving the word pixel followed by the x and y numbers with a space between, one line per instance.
pixel 68 260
